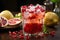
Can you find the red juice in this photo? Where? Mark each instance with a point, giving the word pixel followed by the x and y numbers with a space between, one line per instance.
pixel 32 28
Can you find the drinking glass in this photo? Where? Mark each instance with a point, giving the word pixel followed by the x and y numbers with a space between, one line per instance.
pixel 32 17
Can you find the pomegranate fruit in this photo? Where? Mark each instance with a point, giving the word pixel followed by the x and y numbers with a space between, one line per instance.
pixel 14 21
pixel 3 21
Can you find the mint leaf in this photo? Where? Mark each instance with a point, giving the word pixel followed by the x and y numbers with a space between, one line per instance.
pixel 45 29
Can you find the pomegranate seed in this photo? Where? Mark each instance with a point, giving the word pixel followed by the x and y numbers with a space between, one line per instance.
pixel 37 36
pixel 42 10
pixel 9 32
pixel 52 33
pixel 41 34
pixel 31 12
pixel 20 32
pixel 31 4
pixel 24 6
pixel 14 33
pixel 27 37
pixel 45 34
pixel 20 36
pixel 10 35
pixel 13 36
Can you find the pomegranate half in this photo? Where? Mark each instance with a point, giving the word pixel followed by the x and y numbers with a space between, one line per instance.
pixel 14 21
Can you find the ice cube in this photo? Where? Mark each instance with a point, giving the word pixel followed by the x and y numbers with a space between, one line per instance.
pixel 32 8
pixel 38 10
pixel 38 6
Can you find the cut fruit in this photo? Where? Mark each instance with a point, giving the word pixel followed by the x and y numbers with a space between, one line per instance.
pixel 14 21
pixel 7 14
pixel 3 22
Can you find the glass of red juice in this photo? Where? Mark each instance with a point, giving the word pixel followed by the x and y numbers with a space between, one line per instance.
pixel 32 18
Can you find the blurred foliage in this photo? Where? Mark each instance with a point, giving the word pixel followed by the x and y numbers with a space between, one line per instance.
pixel 55 1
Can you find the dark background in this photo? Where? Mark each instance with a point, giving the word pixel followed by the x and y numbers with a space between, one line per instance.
pixel 14 5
